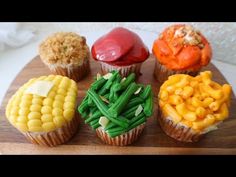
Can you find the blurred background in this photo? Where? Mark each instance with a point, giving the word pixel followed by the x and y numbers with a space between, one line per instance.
pixel 222 36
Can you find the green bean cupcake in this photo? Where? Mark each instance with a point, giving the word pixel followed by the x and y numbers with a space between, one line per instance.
pixel 117 108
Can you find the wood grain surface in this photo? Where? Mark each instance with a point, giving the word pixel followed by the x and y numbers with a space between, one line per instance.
pixel 152 141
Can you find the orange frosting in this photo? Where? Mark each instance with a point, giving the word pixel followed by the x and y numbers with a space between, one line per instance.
pixel 182 47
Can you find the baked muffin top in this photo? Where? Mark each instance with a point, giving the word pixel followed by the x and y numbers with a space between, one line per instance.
pixel 64 48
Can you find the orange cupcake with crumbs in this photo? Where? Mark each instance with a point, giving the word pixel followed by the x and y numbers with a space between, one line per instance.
pixel 190 107
pixel 180 49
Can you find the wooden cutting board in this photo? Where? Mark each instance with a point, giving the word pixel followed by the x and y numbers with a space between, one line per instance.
pixel 152 141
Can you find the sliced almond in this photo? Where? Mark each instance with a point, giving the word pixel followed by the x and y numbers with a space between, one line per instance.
pixel 107 76
pixel 122 80
pixel 103 121
pixel 98 76
pixel 104 99
pixel 138 110
pixel 138 90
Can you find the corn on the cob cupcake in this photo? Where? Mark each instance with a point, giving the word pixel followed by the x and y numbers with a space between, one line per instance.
pixel 117 108
pixel 190 107
pixel 66 54
pixel 43 109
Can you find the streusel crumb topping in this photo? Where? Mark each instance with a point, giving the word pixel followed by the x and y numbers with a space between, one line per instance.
pixel 64 48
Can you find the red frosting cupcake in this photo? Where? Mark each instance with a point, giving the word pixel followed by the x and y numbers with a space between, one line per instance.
pixel 122 50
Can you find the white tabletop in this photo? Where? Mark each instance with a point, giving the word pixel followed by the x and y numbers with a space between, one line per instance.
pixel 13 60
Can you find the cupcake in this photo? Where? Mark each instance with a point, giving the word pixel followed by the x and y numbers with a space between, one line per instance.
pixel 66 54
pixel 117 109
pixel 190 107
pixel 43 110
pixel 180 49
pixel 121 50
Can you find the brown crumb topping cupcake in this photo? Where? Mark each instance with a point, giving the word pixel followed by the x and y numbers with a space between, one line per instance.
pixel 67 54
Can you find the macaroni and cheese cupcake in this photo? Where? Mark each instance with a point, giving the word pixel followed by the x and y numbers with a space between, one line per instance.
pixel 180 49
pixel 43 109
pixel 190 107
pixel 66 54
pixel 122 50
pixel 117 108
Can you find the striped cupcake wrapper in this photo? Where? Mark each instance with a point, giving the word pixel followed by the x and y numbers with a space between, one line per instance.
pixel 123 139
pixel 73 72
pixel 161 73
pixel 56 137
pixel 123 70
pixel 178 131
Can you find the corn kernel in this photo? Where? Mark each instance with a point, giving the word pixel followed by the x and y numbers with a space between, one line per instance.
pixel 46 110
pixel 59 121
pixel 38 101
pixel 61 91
pixel 24 111
pixel 48 126
pixel 69 98
pixel 57 112
pixel 68 114
pixel 57 104
pixel 47 118
pixel 35 108
pixel 25 103
pixel 68 105
pixel 22 119
pixel 34 115
pixel 51 94
pixel 14 110
pixel 47 102
pixel 34 123
pixel 59 98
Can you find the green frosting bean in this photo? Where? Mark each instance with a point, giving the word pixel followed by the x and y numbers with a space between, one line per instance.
pixel 127 81
pixel 146 92
pixel 133 102
pixel 95 126
pixel 83 107
pixel 148 106
pixel 122 101
pixel 96 115
pixel 104 109
pixel 98 83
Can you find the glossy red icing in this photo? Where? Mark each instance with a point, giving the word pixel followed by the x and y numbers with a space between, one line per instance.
pixel 120 47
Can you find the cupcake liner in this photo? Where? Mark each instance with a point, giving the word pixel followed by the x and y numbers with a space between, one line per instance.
pixel 56 137
pixel 161 73
pixel 178 131
pixel 123 139
pixel 72 71
pixel 123 70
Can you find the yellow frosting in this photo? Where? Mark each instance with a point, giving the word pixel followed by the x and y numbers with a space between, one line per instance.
pixel 197 102
pixel 35 113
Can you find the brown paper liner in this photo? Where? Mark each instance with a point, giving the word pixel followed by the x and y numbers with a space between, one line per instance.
pixel 178 131
pixel 161 73
pixel 56 137
pixel 73 72
pixel 123 139
pixel 123 70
